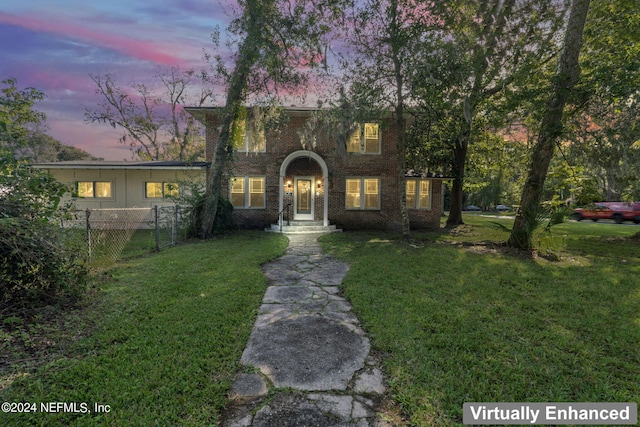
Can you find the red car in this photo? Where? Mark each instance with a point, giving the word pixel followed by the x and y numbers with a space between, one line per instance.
pixel 617 211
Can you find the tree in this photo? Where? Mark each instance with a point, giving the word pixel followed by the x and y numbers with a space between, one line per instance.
pixel 37 262
pixel 502 42
pixel 275 37
pixel 551 128
pixel 386 49
pixel 605 120
pixel 155 125
pixel 602 139
pixel 40 147
pixel 18 116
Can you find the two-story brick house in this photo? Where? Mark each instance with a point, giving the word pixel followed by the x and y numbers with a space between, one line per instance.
pixel 355 188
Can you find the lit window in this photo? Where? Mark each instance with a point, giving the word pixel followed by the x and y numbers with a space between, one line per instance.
pixel 411 193
pixel 256 192
pixel 353 193
pixel 94 189
pixel 247 192
pixel 418 194
pixel 237 192
pixel 424 201
pixel 160 190
pixel 365 139
pixel 249 138
pixel 359 190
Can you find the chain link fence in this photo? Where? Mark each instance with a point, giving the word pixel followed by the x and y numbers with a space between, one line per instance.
pixel 113 234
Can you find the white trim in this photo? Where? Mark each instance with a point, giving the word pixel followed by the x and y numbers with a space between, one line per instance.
pixel 325 176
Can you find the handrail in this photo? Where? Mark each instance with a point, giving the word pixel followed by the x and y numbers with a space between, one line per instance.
pixel 280 216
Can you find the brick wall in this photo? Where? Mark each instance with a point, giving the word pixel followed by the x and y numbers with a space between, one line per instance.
pixel 286 141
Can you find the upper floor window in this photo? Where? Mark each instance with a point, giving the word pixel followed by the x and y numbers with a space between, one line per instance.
pixel 160 190
pixel 365 139
pixel 247 192
pixel 362 193
pixel 249 138
pixel 94 189
pixel 418 193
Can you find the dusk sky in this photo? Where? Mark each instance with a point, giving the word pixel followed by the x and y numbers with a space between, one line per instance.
pixel 53 45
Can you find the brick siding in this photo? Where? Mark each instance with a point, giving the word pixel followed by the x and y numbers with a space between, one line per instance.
pixel 282 143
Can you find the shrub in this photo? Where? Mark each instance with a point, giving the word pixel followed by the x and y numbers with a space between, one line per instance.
pixel 39 265
pixel 191 203
pixel 39 262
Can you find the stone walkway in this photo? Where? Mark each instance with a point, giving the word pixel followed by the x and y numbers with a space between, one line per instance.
pixel 308 356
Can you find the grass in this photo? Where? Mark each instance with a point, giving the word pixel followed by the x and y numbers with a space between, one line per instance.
pixel 460 323
pixel 453 316
pixel 159 341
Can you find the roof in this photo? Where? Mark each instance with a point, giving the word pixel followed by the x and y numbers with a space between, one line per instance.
pixel 200 113
pixel 109 164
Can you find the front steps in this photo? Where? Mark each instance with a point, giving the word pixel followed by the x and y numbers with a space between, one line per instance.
pixel 302 227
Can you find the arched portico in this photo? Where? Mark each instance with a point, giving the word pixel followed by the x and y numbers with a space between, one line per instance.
pixel 325 179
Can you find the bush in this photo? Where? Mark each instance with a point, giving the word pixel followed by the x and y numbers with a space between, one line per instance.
pixel 191 203
pixel 39 265
pixel 39 262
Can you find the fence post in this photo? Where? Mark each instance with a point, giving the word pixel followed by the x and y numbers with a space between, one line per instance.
pixel 174 233
pixel 155 209
pixel 87 215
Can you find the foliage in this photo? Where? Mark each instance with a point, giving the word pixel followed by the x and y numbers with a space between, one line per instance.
pixel 154 123
pixel 552 124
pixel 494 170
pixel 18 116
pixel 605 111
pixel 40 147
pixel 492 51
pixel 191 202
pixel 386 65
pixel 602 140
pixel 277 42
pixel 159 341
pixel 39 264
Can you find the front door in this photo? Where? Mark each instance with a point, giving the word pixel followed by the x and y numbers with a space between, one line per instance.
pixel 303 198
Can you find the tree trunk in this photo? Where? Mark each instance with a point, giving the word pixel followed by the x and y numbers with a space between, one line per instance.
pixel 399 117
pixel 402 170
pixel 248 54
pixel 566 77
pixel 459 161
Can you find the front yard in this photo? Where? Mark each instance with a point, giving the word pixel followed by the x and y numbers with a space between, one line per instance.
pixel 459 323
pixel 453 317
pixel 158 341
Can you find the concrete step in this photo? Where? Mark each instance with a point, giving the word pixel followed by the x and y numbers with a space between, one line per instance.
pixel 303 227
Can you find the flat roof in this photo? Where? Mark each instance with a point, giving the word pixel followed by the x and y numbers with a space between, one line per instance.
pixel 200 113
pixel 115 164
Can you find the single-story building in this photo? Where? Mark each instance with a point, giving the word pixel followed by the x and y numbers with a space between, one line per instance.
pixel 103 184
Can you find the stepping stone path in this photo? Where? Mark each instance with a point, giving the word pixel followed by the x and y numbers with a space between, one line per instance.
pixel 310 356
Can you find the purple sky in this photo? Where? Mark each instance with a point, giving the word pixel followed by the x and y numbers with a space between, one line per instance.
pixel 53 45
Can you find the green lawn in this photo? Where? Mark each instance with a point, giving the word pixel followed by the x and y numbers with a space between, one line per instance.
pixel 466 323
pixel 159 341
pixel 453 317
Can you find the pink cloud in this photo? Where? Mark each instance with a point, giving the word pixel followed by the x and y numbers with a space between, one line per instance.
pixel 139 49
pixel 56 80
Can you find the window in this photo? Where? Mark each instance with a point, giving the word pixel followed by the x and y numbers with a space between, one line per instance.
pixel 365 139
pixel 94 189
pixel 418 194
pixel 250 138
pixel 253 198
pixel 160 190
pixel 362 193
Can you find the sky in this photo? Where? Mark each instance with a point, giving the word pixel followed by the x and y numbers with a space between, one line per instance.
pixel 53 46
